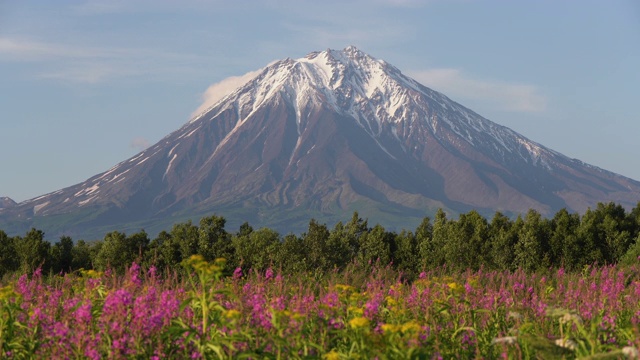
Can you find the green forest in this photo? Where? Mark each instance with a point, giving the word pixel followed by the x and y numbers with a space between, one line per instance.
pixel 607 234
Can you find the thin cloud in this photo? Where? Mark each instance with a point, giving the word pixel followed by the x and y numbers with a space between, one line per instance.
pixel 502 95
pixel 221 89
pixel 93 64
pixel 139 143
pixel 404 3
pixel 29 50
pixel 99 7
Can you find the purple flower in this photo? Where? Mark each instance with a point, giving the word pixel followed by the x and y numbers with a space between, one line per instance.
pixel 237 273
pixel 83 313
pixel 60 330
pixel 268 274
pixel 152 272
pixel 134 272
pixel 92 354
pixel 117 300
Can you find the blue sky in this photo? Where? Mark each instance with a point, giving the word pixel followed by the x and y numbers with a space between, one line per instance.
pixel 87 84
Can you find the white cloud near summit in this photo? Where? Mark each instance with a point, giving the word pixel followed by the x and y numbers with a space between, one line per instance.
pixel 498 94
pixel 139 143
pixel 221 89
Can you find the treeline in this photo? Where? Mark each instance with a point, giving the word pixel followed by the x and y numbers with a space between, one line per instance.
pixel 604 235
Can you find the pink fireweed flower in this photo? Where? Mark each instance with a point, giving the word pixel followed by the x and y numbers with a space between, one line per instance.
pixel 371 307
pixel 134 274
pixel 152 272
pixel 69 304
pixel 279 277
pixel 116 301
pixel 237 273
pixel 60 330
pixel 268 275
pixel 331 300
pixel 92 354
pixel 83 314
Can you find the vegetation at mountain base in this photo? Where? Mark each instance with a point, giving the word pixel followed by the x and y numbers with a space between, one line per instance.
pixel 605 235
pixel 360 312
pixel 530 288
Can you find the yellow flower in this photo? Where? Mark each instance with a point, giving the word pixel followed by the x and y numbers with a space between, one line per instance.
pixel 355 297
pixel 232 314
pixel 92 273
pixel 391 301
pixel 422 283
pixel 332 355
pixel 355 310
pixel 7 292
pixel 411 326
pixel 455 287
pixel 298 316
pixel 390 328
pixel 359 322
pixel 345 288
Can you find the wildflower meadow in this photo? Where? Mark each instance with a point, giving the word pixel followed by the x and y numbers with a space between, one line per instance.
pixel 198 312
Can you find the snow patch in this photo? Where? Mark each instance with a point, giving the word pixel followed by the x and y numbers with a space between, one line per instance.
pixel 84 202
pixel 39 207
pixel 169 166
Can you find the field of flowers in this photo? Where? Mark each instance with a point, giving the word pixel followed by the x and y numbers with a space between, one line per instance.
pixel 200 314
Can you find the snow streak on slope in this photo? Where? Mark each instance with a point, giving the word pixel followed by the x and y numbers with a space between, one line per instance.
pixel 377 96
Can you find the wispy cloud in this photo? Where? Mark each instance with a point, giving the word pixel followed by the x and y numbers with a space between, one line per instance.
pixel 404 3
pixel 85 64
pixel 139 143
pixel 499 94
pixel 30 50
pixel 99 7
pixel 221 89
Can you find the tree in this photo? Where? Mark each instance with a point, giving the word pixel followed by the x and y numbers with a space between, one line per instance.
pixel 532 249
pixel 406 257
pixel 424 238
pixel 616 231
pixel 502 238
pixel 465 246
pixel 315 242
pixel 434 255
pixel 8 255
pixel 164 251
pixel 375 246
pixel 81 256
pixel 186 236
pixel 61 255
pixel 257 250
pixel 213 240
pixel 32 251
pixel 566 250
pixel 118 251
pixel 340 247
pixel 632 256
pixel 291 255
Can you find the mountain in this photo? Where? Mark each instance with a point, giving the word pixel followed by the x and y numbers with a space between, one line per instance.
pixel 6 203
pixel 322 136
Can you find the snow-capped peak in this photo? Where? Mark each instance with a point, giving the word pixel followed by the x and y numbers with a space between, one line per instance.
pixel 375 94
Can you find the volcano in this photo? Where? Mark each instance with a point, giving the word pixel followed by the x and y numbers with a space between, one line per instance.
pixel 319 137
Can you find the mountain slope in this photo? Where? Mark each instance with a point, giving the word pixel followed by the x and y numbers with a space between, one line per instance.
pixel 321 136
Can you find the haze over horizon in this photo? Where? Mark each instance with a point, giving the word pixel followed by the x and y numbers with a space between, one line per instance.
pixel 89 84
